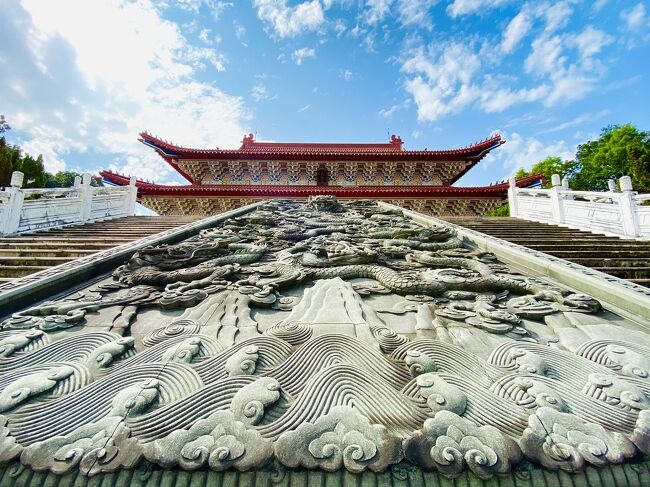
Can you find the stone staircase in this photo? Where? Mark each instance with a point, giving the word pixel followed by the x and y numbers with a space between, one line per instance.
pixel 25 254
pixel 627 259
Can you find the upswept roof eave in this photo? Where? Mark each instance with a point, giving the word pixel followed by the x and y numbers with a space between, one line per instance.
pixel 153 189
pixel 170 151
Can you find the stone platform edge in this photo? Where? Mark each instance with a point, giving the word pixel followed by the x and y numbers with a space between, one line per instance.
pixel 59 279
pixel 631 474
pixel 620 296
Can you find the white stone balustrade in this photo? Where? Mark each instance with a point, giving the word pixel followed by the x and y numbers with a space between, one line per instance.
pixel 58 207
pixel 614 212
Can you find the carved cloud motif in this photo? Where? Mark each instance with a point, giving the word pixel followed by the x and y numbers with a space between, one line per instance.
pixel 449 443
pixel 560 440
pixel 341 439
pixel 103 446
pixel 219 441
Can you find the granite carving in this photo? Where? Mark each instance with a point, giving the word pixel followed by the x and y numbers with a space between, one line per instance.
pixel 322 335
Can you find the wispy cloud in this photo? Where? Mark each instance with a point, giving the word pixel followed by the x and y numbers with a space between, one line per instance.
pixel 635 18
pixel 580 120
pixel 259 92
pixel 299 55
pixel 304 108
pixel 285 21
pixel 346 74
pixel 389 112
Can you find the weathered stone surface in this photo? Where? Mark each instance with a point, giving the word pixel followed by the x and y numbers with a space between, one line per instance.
pixel 327 335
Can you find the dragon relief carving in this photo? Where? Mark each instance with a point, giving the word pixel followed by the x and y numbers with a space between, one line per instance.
pixel 321 335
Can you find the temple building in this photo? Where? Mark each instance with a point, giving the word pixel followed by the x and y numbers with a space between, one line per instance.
pixel 221 180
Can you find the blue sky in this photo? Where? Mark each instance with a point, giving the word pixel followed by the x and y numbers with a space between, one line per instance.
pixel 81 78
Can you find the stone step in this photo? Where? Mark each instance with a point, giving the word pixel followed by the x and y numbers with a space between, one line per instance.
pixel 602 254
pixel 627 259
pixel 40 245
pixel 626 272
pixel 610 262
pixel 28 253
pixel 33 261
pixel 28 241
pixel 52 252
pixel 13 271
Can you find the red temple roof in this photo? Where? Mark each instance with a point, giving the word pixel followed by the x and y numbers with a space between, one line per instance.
pixel 268 191
pixel 252 149
pixel 249 144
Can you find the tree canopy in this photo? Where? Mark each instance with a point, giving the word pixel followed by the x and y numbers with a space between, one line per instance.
pixel 4 126
pixel 619 151
pixel 13 159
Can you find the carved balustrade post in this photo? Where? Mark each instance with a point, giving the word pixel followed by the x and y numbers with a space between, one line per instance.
pixel 10 217
pixel 133 193
pixel 611 186
pixel 86 196
pixel 628 208
pixel 557 204
pixel 566 189
pixel 512 197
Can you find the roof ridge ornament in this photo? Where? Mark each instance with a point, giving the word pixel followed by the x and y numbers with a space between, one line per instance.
pixel 396 140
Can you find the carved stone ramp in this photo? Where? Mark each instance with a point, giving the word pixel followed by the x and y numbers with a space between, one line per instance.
pixel 627 259
pixel 25 254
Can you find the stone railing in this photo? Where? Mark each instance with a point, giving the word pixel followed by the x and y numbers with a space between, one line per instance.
pixel 612 212
pixel 26 210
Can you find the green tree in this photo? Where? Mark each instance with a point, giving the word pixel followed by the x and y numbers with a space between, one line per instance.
pixel 10 161
pixel 619 151
pixel 62 179
pixel 4 126
pixel 34 171
pixel 549 166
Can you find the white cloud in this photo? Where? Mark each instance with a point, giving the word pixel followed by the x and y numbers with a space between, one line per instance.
pixel 464 7
pixel 240 30
pixel 299 55
pixel 304 108
pixel 415 12
pixel 86 93
pixel 516 31
pixel 500 100
pixel 635 17
pixel 590 42
pixel 347 75
pixel 546 56
pixel 580 120
pixel 286 21
pixel 204 35
pixel 194 6
pixel 598 5
pixel 389 112
pixel 376 11
pixel 443 79
pixel 570 80
pixel 520 151
pixel 259 92
pixel 448 77
pixel 556 14
pixel 339 27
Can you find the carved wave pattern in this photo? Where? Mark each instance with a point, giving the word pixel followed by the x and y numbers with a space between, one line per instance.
pixel 328 376
pixel 331 387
